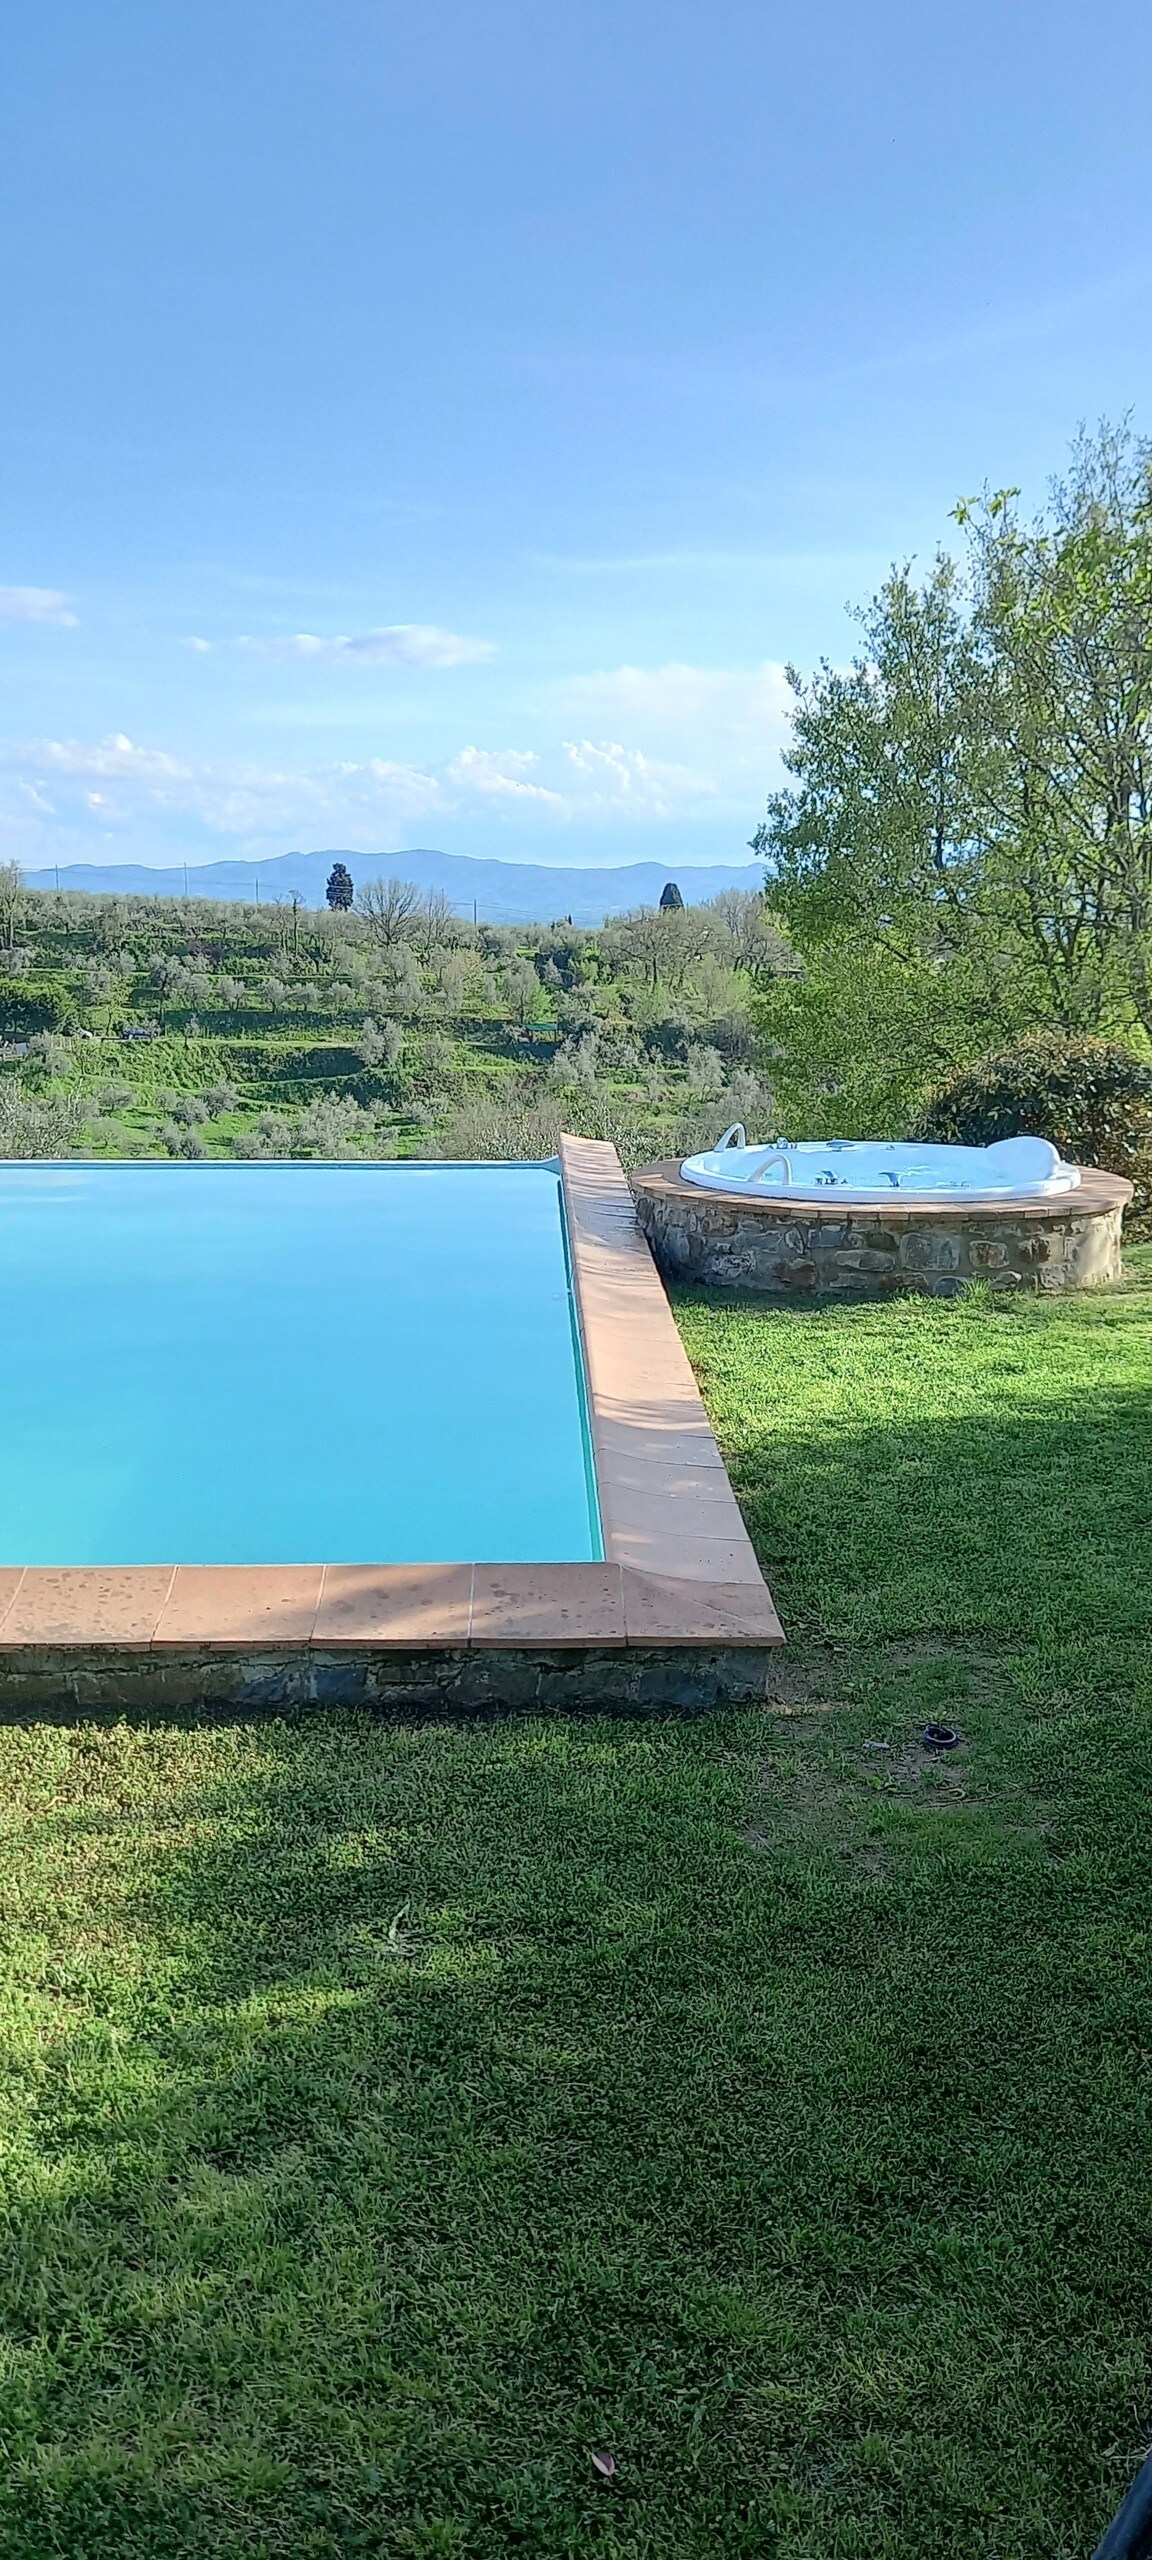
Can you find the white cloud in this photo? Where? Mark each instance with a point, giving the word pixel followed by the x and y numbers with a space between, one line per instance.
pixel 589 778
pixel 37 604
pixel 503 775
pixel 654 748
pixel 395 644
pixel 610 777
pixel 752 705
pixel 682 740
pixel 38 798
pixel 417 789
pixel 123 783
pixel 115 755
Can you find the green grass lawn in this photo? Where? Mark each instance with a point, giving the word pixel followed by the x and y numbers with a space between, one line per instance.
pixel 393 2120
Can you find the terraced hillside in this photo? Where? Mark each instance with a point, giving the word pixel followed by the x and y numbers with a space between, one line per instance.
pixel 154 1025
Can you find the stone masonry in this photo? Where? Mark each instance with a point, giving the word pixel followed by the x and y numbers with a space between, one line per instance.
pixel 784 1249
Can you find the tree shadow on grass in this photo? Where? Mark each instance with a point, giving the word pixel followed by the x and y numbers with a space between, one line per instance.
pixel 405 2115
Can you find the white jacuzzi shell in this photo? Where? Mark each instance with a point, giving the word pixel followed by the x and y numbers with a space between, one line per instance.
pixel 866 1170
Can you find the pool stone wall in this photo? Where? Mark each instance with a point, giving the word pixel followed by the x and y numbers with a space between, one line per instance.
pixel 789 1250
pixel 69 1683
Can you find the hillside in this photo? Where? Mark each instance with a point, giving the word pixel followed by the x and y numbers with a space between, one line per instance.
pixel 158 1025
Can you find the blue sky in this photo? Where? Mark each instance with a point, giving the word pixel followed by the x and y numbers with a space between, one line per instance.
pixel 435 424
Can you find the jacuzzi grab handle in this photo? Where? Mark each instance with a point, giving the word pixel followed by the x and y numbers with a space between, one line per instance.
pixel 770 1167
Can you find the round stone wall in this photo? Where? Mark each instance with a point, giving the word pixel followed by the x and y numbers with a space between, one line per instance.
pixel 792 1249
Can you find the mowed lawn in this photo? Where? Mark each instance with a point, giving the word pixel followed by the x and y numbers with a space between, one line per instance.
pixel 396 2120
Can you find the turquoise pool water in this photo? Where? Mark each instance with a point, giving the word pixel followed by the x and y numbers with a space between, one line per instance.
pixel 290 1364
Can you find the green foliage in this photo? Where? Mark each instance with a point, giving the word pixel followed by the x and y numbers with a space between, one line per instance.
pixel 853 1045
pixel 339 892
pixel 396 1022
pixel 977 788
pixel 888 763
pixel 1091 1098
pixel 28 1005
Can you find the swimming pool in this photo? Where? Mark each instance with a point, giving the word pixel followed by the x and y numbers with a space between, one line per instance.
pixel 280 1363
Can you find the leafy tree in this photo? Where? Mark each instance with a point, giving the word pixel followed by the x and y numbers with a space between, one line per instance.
pixel 854 1041
pixel 339 892
pixel 879 838
pixel 522 991
pixel 975 792
pixel 35 1126
pixel 380 1043
pixel 1064 617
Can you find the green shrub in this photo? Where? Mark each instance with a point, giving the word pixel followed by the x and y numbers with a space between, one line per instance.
pixel 28 1005
pixel 1091 1098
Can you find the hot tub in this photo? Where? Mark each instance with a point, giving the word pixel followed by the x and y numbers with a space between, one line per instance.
pixel 843 1218
pixel 862 1170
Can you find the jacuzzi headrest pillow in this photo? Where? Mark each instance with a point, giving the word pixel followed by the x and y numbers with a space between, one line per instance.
pixel 1024 1159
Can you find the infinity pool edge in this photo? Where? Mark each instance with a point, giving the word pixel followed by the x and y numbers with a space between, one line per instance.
pixel 677 1613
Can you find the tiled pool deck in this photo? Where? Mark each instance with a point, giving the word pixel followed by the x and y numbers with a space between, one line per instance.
pixel 678 1613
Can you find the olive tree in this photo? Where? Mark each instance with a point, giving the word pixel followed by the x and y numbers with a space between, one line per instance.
pixel 659 944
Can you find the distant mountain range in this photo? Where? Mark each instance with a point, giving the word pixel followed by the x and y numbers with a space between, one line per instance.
pixel 495 892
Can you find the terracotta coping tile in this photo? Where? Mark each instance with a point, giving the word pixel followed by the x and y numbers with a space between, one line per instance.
pixel 644 1380
pixel 547 1604
pixel 394 1604
pixel 87 1604
pixel 237 1604
pixel 667 1509
pixel 645 1445
pixel 659 1609
pixel 639 1484
pixel 695 1557
pixel 698 1507
pixel 680 1570
pixel 11 1577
